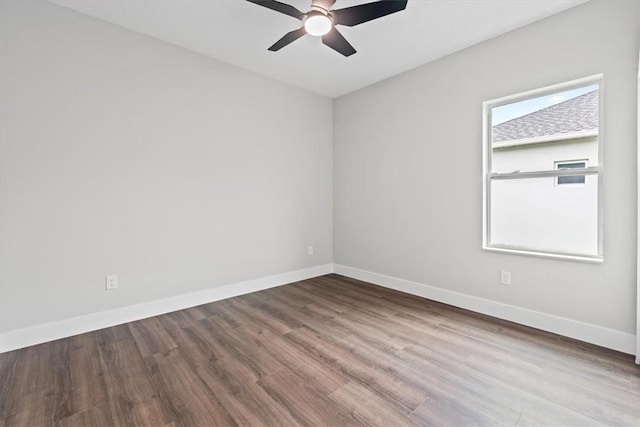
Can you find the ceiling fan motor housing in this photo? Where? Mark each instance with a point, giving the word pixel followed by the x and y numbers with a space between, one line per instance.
pixel 322 5
pixel 315 12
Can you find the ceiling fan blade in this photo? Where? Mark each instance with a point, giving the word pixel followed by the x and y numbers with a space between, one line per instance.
pixel 358 14
pixel 337 42
pixel 279 7
pixel 290 37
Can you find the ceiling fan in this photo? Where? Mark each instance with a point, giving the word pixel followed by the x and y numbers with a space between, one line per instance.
pixel 322 21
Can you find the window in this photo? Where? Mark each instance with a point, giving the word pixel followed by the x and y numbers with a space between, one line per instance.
pixel 571 179
pixel 525 209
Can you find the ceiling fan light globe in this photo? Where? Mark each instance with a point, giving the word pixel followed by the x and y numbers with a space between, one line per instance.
pixel 317 25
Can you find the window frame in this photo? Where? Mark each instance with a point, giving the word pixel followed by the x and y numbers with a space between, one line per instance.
pixel 488 176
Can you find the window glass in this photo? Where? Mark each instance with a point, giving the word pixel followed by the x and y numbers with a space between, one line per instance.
pixel 571 179
pixel 530 135
pixel 545 220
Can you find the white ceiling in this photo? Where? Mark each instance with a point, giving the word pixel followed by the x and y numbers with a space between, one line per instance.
pixel 239 32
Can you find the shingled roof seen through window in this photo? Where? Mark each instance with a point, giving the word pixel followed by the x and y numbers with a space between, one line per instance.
pixel 579 114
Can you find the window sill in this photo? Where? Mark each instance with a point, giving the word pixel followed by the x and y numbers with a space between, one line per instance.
pixel 565 257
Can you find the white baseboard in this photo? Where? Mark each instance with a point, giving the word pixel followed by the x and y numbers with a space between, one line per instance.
pixel 609 338
pixel 598 335
pixel 38 334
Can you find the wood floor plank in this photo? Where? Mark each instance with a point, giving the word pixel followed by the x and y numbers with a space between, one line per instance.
pixel 95 416
pixel 186 398
pixel 485 408
pixel 449 411
pixel 634 384
pixel 247 402
pixel 151 337
pixel 479 391
pixel 239 346
pixel 322 352
pixel 604 404
pixel 292 294
pixel 201 347
pixel 364 326
pixel 121 359
pixel 264 317
pixel 306 404
pixel 358 368
pixel 322 375
pixel 115 333
pixel 302 316
pixel 368 408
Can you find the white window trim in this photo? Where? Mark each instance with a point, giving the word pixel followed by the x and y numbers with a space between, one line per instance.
pixel 488 176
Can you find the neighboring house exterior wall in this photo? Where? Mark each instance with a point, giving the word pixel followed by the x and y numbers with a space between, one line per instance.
pixel 539 213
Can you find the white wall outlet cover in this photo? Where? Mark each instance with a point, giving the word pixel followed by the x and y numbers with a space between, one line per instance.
pixel 310 250
pixel 505 277
pixel 111 281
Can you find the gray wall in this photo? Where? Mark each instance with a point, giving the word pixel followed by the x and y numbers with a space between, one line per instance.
pixel 408 168
pixel 122 154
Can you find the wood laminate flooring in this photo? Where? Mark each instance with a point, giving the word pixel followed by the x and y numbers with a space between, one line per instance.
pixel 329 351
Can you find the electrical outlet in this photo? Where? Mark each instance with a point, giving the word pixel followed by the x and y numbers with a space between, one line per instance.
pixel 310 250
pixel 111 282
pixel 505 278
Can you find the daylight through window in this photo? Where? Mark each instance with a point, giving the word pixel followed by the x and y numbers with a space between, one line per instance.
pixel 542 172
